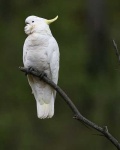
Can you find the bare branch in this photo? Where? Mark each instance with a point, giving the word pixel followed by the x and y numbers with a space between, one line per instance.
pixel 77 114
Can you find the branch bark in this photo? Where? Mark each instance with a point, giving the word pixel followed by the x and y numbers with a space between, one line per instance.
pixel 77 114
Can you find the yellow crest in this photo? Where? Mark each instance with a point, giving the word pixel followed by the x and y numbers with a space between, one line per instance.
pixel 51 20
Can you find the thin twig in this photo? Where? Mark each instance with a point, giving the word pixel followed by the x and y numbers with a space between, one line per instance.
pixel 116 50
pixel 77 114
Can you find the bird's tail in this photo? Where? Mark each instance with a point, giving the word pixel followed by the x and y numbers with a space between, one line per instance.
pixel 44 96
pixel 45 110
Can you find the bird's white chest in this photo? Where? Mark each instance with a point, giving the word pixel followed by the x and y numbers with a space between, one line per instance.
pixel 35 52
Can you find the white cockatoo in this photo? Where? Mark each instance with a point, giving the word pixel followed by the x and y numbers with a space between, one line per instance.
pixel 41 52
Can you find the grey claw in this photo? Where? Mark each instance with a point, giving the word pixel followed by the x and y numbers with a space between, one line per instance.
pixel 42 74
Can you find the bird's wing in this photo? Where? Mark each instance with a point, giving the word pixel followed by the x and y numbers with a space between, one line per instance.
pixel 54 62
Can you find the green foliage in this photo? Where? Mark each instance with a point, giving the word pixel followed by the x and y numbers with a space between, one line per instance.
pixel 96 93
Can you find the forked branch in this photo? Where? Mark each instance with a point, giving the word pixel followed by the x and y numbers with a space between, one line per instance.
pixel 77 114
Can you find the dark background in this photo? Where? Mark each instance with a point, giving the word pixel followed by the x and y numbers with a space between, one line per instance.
pixel 89 74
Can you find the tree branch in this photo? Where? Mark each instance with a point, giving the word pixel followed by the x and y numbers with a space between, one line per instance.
pixel 116 50
pixel 77 114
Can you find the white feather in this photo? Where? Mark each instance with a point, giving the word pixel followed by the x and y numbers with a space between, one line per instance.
pixel 41 52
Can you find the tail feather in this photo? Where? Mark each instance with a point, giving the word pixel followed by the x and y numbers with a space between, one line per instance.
pixel 44 96
pixel 45 110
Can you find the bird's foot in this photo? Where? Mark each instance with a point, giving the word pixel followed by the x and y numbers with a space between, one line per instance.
pixel 29 70
pixel 42 74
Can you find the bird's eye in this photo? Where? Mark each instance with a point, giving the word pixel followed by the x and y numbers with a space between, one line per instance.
pixel 32 21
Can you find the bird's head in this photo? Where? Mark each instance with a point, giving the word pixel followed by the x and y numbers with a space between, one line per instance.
pixel 37 24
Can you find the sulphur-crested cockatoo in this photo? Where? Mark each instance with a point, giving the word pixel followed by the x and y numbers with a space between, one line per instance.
pixel 41 52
